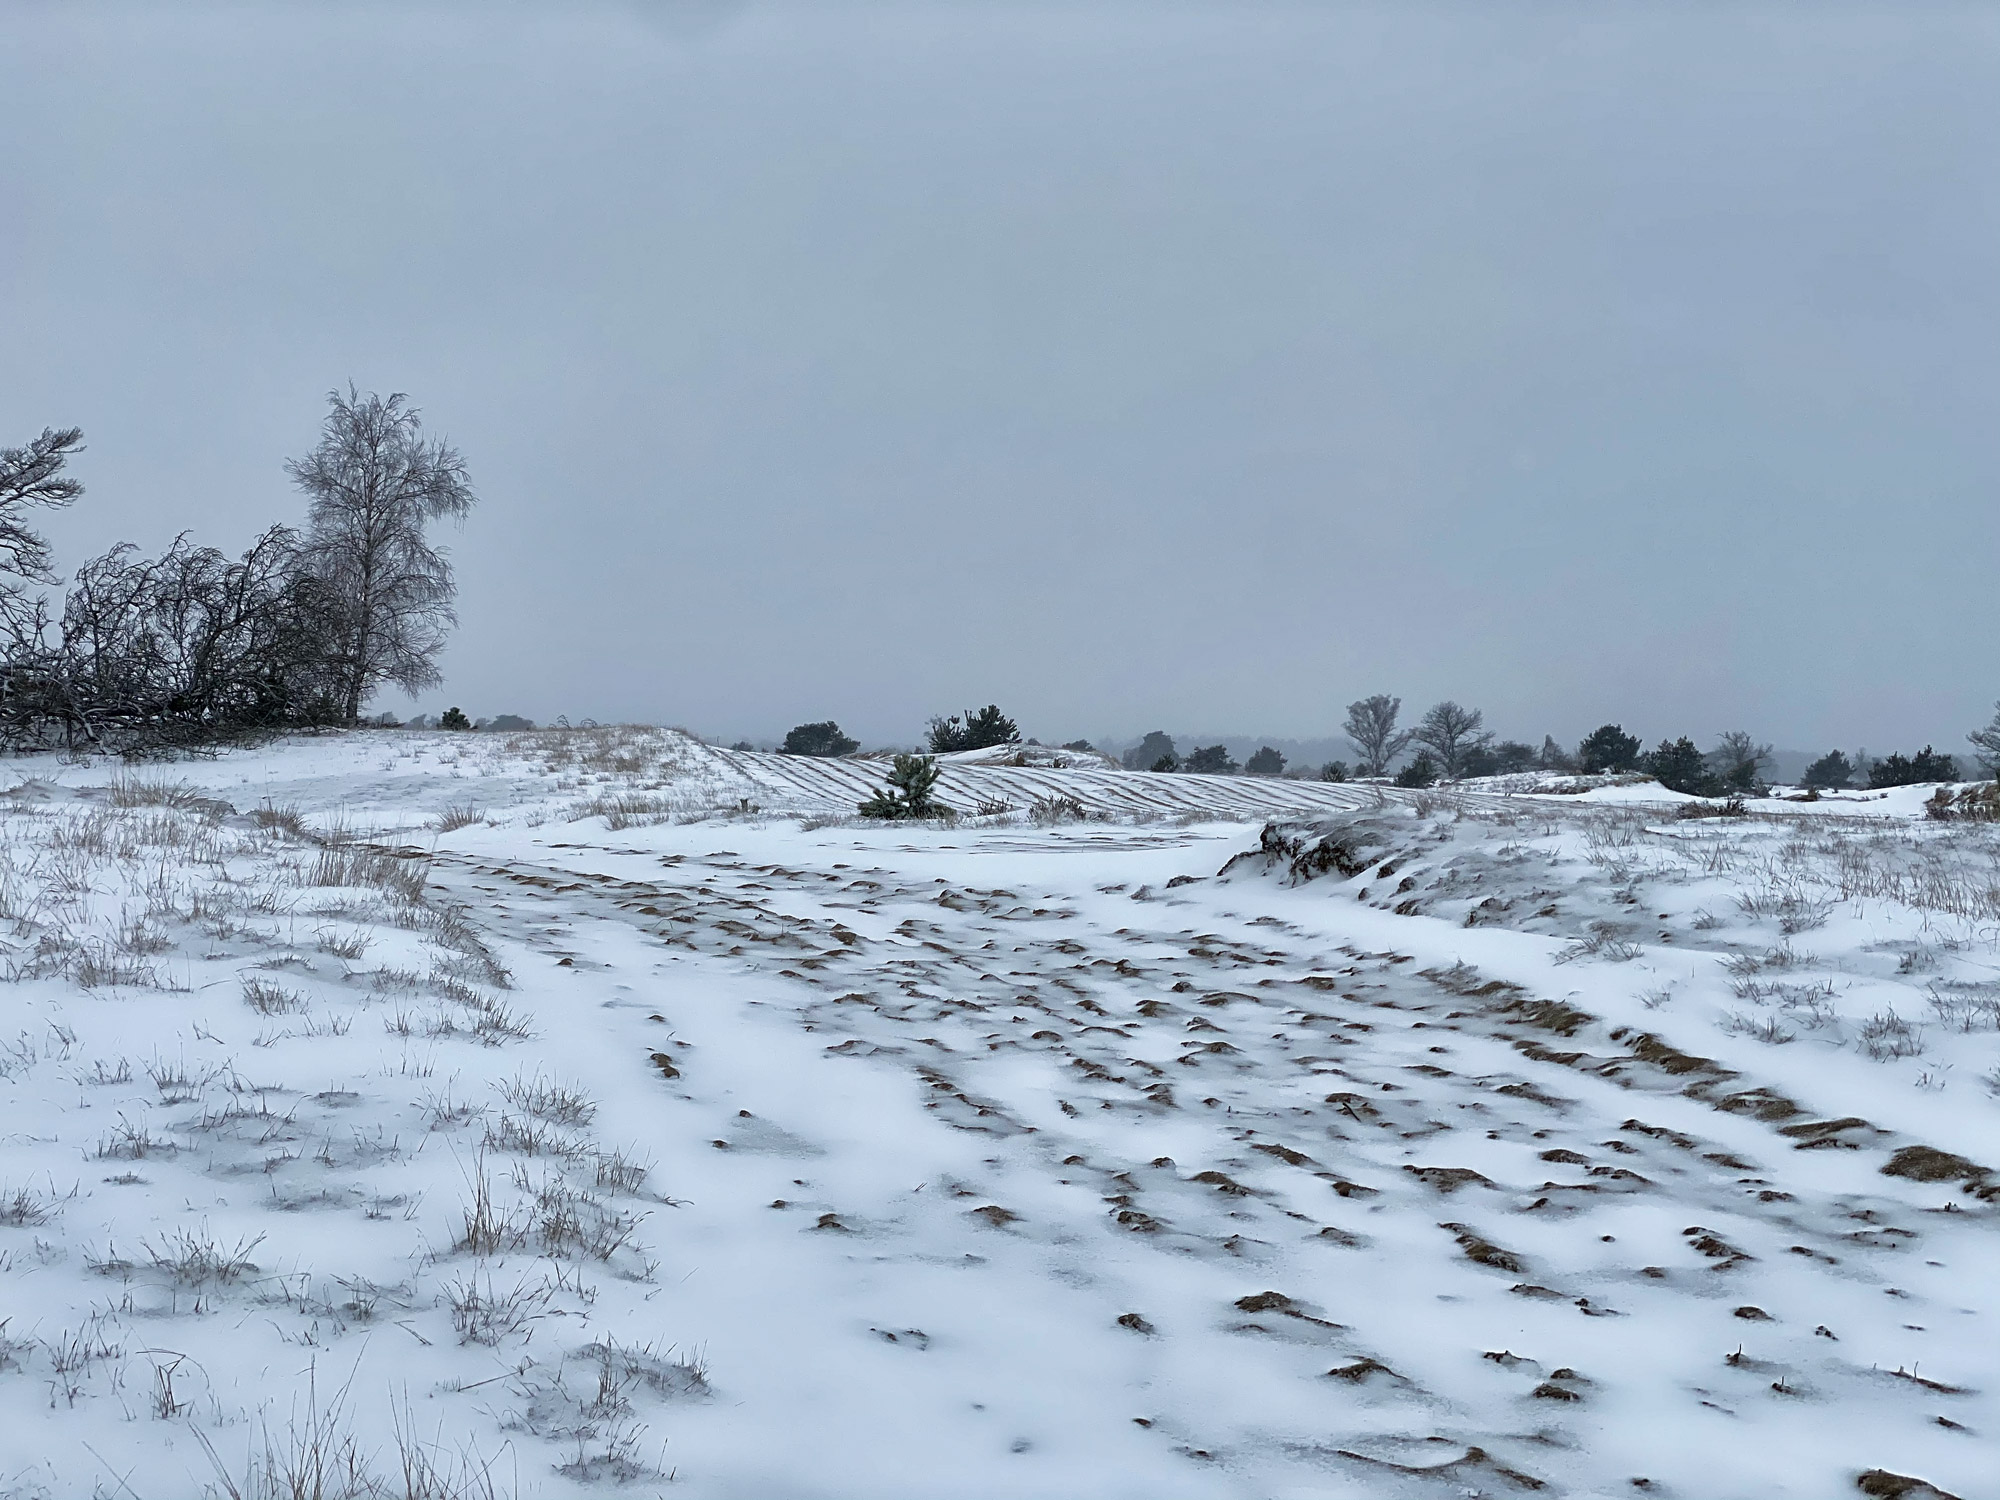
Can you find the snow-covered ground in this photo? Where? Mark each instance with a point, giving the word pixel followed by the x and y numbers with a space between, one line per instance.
pixel 540 1115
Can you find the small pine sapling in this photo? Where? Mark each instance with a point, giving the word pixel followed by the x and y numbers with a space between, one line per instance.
pixel 907 794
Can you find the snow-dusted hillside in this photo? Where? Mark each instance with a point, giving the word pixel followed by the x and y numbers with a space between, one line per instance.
pixel 581 1111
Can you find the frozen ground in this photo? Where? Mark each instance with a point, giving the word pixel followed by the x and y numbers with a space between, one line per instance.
pixel 449 1115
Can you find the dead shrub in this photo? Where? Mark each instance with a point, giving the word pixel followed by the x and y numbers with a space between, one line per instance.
pixel 1977 803
pixel 1050 811
pixel 1731 808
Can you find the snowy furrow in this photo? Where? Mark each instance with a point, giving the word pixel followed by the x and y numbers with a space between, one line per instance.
pixel 807 784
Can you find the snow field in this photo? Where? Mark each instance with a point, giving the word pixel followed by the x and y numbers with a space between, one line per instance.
pixel 1534 1155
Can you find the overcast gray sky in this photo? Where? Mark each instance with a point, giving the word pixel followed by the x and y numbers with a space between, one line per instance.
pixel 1132 365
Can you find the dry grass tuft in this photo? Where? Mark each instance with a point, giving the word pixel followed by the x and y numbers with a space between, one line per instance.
pixel 175 794
pixel 483 1315
pixel 545 1100
pixel 456 817
pixel 287 820
pixel 348 865
pixel 269 999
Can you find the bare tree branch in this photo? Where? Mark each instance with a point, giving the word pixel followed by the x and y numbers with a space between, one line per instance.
pixel 33 475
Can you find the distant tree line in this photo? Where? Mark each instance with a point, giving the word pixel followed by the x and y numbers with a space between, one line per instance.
pixel 1450 742
pixel 193 646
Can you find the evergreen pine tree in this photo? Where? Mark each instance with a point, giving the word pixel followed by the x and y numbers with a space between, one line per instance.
pixel 1929 765
pixel 1420 772
pixel 1608 748
pixel 1481 760
pixel 973 730
pixel 1211 760
pixel 1266 762
pixel 1912 770
pixel 907 793
pixel 822 738
pixel 1680 767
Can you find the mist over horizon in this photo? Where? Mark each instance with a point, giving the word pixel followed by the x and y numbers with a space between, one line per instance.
pixel 1127 366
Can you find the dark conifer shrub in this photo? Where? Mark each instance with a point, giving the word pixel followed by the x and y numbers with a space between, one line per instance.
pixel 973 730
pixel 822 739
pixel 1158 745
pixel 1211 760
pixel 1912 770
pixel 1608 748
pixel 1266 762
pixel 1832 772
pixel 1680 767
pixel 1420 772
pixel 1480 761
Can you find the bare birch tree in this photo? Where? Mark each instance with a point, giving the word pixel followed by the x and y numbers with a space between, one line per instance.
pixel 1371 726
pixel 375 484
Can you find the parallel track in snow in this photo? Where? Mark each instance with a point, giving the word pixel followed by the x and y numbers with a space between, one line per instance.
pixel 808 784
